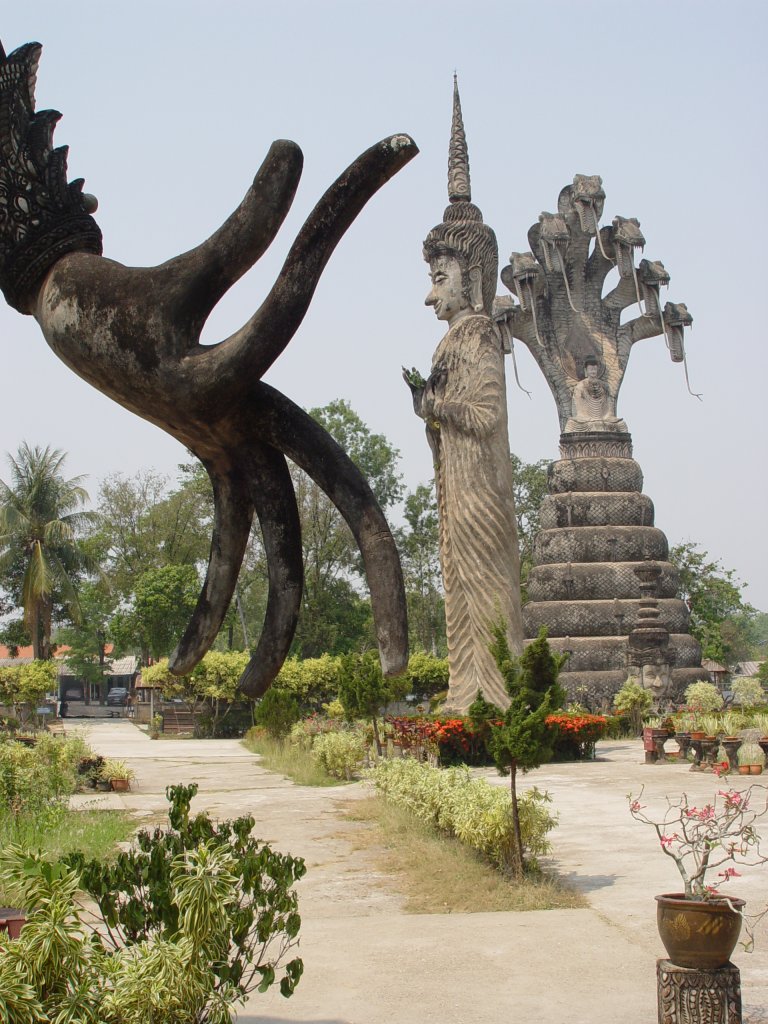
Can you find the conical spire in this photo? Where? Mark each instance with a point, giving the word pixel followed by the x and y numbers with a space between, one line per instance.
pixel 458 156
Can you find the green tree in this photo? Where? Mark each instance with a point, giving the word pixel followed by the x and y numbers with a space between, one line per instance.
pixel 14 634
pixel 277 712
pixel 363 690
pixel 163 603
pixel 42 523
pixel 335 615
pixel 418 543
pixel 530 489
pixel 373 455
pixel 523 740
pixel 720 618
pixel 25 686
pixel 88 637
pixel 143 524
pixel 426 675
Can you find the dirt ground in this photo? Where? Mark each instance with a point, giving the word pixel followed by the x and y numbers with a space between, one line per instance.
pixel 368 962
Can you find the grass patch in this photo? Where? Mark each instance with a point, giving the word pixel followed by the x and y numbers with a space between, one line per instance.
pixel 438 875
pixel 290 760
pixel 60 830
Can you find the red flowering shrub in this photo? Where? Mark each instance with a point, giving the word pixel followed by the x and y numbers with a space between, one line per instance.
pixel 576 734
pixel 454 739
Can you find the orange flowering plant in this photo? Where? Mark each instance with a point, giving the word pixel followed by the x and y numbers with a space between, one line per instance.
pixel 577 733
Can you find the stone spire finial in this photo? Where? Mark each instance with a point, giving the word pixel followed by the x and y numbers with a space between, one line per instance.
pixel 458 156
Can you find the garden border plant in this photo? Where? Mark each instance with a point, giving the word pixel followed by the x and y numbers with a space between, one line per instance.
pixel 206 904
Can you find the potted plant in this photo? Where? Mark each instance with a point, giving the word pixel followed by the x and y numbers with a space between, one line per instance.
pixel 700 926
pixel 118 775
pixel 750 759
pixel 89 770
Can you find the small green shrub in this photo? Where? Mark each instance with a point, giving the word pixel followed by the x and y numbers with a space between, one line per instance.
pixel 339 753
pixel 618 727
pixel 633 701
pixel 277 711
pixel 474 811
pixel 701 696
pixel 33 778
pixel 748 692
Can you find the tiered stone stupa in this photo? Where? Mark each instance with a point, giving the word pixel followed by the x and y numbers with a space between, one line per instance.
pixel 601 570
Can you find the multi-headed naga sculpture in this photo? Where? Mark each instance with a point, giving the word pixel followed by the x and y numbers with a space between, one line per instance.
pixel 564 319
pixel 134 333
pixel 601 581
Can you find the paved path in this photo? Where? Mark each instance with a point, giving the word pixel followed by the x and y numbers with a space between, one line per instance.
pixel 366 962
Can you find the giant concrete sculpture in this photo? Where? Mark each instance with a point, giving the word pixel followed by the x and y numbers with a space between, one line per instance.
pixel 601 571
pixel 465 408
pixel 134 333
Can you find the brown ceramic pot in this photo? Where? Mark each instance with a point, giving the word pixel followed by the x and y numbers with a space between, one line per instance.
pixel 120 785
pixel 696 933
pixel 755 769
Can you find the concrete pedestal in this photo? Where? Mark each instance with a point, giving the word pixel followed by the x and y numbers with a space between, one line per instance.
pixel 707 997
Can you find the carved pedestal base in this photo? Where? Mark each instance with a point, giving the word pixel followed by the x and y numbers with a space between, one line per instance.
pixel 709 997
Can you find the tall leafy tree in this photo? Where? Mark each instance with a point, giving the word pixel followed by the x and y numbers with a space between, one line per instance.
pixel 418 542
pixel 530 489
pixel 144 524
pixel 164 599
pixel 335 615
pixel 42 524
pixel 725 625
pixel 87 638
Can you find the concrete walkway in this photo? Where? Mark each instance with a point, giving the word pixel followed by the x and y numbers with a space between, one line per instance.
pixel 367 962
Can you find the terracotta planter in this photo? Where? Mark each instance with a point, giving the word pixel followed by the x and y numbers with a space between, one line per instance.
pixel 698 734
pixel 744 769
pixel 755 769
pixel 12 921
pixel 698 934
pixel 120 785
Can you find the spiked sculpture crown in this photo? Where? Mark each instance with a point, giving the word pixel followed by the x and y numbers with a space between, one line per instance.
pixel 463 235
pixel 42 217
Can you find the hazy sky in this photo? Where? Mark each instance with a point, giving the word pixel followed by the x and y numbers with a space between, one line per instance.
pixel 169 108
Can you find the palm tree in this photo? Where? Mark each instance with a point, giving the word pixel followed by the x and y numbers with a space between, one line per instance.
pixel 41 521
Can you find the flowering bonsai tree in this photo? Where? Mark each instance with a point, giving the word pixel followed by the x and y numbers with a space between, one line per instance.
pixel 707 843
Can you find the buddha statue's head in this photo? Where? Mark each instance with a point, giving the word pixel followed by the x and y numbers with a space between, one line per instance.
pixel 591 368
pixel 462 252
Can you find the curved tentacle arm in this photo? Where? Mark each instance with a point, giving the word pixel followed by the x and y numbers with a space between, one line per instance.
pixel 232 524
pixel 251 351
pixel 289 429
pixel 197 279
pixel 273 495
